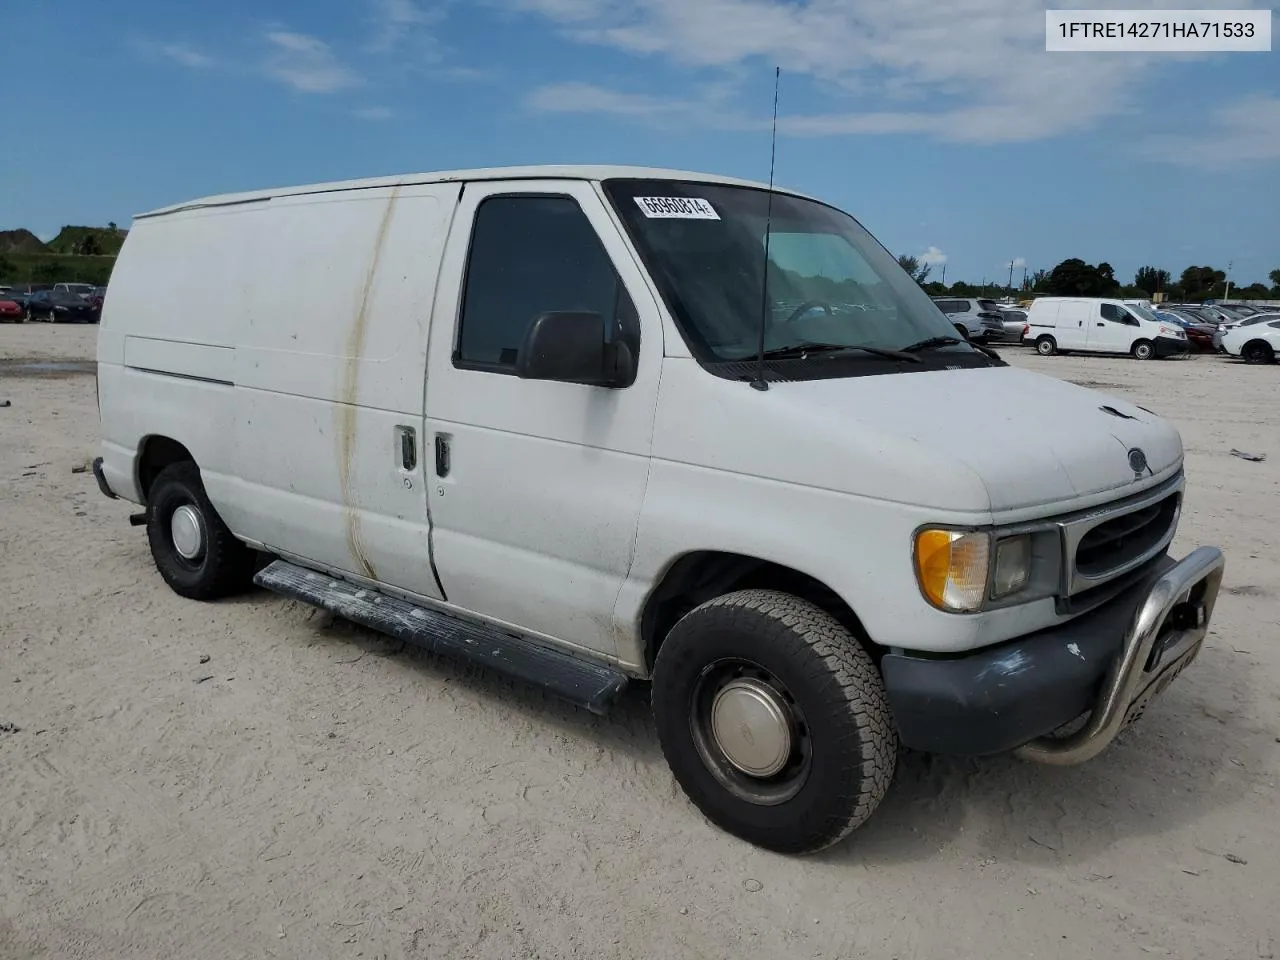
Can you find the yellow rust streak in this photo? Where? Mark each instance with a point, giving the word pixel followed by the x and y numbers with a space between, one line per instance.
pixel 350 396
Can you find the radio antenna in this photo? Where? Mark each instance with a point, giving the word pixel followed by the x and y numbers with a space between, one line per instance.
pixel 759 382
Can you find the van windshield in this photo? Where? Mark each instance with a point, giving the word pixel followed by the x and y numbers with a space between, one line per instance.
pixel 1141 310
pixel 828 280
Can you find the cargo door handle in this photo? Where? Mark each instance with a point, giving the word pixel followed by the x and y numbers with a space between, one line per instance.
pixel 408 447
pixel 1102 324
pixel 442 456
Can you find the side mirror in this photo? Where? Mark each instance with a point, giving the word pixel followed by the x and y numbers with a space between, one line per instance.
pixel 571 347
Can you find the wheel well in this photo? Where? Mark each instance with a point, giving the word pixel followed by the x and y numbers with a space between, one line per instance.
pixel 1257 342
pixel 155 454
pixel 698 577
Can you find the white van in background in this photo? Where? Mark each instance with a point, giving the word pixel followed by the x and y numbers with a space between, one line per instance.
pixel 1099 325
pixel 570 423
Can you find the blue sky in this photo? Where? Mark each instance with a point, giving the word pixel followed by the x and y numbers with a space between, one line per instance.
pixel 946 129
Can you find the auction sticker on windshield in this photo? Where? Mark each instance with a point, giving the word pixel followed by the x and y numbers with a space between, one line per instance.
pixel 677 208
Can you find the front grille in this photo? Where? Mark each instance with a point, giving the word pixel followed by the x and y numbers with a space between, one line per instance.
pixel 1120 541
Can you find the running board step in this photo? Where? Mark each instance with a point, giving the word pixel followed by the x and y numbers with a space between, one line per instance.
pixel 584 682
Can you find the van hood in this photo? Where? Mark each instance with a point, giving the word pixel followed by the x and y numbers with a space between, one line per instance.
pixel 985 439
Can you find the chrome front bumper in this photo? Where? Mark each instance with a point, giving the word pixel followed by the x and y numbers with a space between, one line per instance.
pixel 1166 633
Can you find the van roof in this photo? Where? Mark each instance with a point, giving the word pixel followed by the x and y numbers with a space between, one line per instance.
pixel 543 172
pixel 1090 299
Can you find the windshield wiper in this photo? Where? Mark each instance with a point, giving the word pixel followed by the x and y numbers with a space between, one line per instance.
pixel 801 350
pixel 932 343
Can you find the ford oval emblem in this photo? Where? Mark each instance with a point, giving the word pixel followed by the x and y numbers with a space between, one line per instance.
pixel 1138 461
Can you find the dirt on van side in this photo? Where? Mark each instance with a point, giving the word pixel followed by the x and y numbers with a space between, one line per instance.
pixel 255 779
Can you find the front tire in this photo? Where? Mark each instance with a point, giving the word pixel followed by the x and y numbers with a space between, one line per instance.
pixel 774 720
pixel 1143 350
pixel 194 551
pixel 1257 351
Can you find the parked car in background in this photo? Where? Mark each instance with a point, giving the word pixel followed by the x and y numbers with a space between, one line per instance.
pixel 60 306
pixel 1098 325
pixel 1015 324
pixel 82 290
pixel 1256 343
pixel 976 319
pixel 10 310
pixel 20 293
pixel 1221 331
pixel 1199 335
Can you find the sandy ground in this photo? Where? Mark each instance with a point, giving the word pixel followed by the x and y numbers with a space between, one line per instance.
pixel 315 791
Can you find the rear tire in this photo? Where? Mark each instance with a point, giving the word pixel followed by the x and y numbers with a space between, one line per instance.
pixel 1143 350
pixel 1257 351
pixel 212 562
pixel 761 675
pixel 1046 346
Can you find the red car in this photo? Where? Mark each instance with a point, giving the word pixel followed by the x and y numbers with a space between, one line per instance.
pixel 10 311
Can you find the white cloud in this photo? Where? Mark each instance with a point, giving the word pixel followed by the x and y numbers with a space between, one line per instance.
pixel 183 54
pixel 373 113
pixel 1017 263
pixel 466 74
pixel 306 64
pixel 395 21
pixel 975 72
pixel 1244 132
pixel 933 257
pixel 589 98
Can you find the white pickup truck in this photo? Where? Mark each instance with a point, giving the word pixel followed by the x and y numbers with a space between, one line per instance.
pixel 593 425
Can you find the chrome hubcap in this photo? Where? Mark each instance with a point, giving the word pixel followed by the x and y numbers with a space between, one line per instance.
pixel 751 725
pixel 187 532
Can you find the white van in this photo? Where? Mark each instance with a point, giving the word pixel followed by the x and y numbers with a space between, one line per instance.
pixel 1099 325
pixel 564 422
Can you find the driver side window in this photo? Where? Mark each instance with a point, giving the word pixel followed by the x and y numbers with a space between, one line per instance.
pixel 533 254
pixel 1118 315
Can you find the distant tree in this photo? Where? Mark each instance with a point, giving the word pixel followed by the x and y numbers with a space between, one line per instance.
pixel 1274 277
pixel 1038 280
pixel 8 270
pixel 111 225
pixel 918 271
pixel 1255 291
pixel 1075 278
pixel 1198 282
pixel 1152 280
pixel 935 289
pixel 1135 292
pixel 962 289
pixel 89 246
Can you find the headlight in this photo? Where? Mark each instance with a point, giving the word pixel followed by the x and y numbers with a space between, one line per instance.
pixel 1012 567
pixel 1172 332
pixel 954 567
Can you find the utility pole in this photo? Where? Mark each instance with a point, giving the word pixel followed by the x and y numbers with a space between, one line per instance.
pixel 944 273
pixel 1227 294
pixel 1011 278
pixel 1024 277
